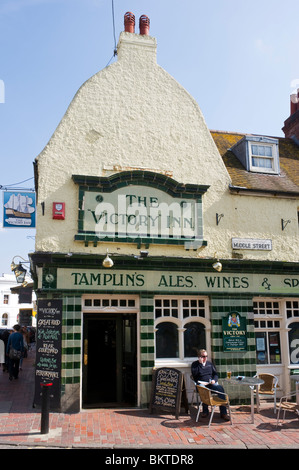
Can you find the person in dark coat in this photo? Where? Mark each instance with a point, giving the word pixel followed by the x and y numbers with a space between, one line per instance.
pixel 15 341
pixel 5 336
pixel 204 371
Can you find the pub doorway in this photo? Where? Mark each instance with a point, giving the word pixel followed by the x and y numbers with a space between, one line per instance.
pixel 109 360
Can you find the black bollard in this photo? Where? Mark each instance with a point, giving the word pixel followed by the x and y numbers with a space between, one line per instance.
pixel 45 407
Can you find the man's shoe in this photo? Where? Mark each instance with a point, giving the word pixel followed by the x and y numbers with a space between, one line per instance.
pixel 225 417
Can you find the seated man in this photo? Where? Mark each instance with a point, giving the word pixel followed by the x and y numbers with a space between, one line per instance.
pixel 204 371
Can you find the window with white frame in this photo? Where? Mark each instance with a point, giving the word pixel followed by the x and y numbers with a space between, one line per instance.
pixel 267 323
pixel 4 319
pixel 263 157
pixel 180 324
pixel 102 302
pixel 292 313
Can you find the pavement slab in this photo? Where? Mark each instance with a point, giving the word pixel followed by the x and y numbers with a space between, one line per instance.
pixel 133 428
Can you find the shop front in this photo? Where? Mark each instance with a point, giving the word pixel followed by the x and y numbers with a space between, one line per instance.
pixel 119 324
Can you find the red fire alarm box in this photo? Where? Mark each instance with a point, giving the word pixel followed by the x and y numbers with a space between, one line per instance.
pixel 59 210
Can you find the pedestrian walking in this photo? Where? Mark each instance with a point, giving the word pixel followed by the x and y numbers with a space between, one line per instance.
pixel 2 353
pixel 26 345
pixel 15 349
pixel 5 336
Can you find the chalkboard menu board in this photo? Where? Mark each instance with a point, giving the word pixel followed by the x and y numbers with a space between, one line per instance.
pixel 48 350
pixel 167 384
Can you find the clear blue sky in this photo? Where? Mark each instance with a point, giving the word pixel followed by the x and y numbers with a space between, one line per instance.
pixel 239 60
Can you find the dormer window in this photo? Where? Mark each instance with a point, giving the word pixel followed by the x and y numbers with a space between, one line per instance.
pixel 258 154
pixel 262 157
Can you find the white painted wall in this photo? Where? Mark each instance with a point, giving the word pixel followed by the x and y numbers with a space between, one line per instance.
pixel 134 114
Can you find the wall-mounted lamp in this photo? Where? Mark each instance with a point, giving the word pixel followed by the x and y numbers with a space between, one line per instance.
pixel 218 218
pixel 107 262
pixel 217 265
pixel 19 271
pixel 284 223
pixel 142 254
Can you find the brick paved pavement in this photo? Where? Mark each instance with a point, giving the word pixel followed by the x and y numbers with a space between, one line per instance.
pixel 132 428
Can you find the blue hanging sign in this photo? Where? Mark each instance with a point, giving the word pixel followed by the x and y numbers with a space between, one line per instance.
pixel 19 209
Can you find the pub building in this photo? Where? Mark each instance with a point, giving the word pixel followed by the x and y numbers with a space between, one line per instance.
pixel 156 237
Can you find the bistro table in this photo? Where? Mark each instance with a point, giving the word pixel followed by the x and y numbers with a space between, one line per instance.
pixel 296 378
pixel 250 382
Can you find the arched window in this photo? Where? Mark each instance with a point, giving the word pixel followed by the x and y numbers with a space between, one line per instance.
pixel 194 338
pixel 180 324
pixel 167 342
pixel 4 320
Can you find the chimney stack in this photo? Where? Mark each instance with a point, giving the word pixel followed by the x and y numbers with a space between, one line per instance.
pixel 291 125
pixel 136 49
pixel 129 21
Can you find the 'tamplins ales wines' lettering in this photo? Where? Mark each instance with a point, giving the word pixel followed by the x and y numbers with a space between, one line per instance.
pixel 106 279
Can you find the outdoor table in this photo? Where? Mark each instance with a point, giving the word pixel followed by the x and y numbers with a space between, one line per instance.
pixel 296 378
pixel 250 382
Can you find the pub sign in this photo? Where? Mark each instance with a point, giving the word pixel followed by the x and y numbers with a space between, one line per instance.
pixel 234 332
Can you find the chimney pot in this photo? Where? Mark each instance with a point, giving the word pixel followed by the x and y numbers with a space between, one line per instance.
pixel 294 103
pixel 144 24
pixel 129 22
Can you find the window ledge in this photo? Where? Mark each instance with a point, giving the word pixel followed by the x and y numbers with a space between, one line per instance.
pixel 176 363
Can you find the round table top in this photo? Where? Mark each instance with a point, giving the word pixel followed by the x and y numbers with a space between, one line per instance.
pixel 241 380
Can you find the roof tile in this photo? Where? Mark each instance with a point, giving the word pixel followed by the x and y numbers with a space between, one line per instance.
pixel 288 179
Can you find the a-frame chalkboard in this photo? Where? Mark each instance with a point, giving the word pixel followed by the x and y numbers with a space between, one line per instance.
pixel 168 389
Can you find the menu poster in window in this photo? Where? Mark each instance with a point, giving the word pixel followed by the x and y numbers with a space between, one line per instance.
pixel 167 390
pixel 234 332
pixel 48 350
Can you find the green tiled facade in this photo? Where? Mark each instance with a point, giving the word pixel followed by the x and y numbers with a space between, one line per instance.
pixel 240 363
pixel 71 340
pixel 147 345
pixel 72 346
pixel 218 305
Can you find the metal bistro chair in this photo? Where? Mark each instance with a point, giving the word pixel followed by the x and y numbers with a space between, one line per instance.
pixel 194 392
pixel 209 398
pixel 286 405
pixel 268 388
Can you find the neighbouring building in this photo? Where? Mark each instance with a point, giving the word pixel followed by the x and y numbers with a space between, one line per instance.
pixel 13 308
pixel 156 237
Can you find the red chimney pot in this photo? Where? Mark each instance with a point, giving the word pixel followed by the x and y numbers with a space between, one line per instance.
pixel 129 21
pixel 144 24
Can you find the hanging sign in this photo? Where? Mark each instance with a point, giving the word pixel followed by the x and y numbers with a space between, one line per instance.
pixel 19 209
pixel 234 331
